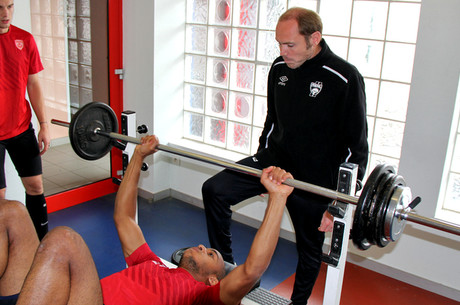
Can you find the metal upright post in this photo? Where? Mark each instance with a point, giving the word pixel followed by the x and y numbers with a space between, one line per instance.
pixel 128 128
pixel 343 221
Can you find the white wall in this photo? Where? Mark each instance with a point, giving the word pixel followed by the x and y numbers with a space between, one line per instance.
pixel 169 44
pixel 138 33
pixel 422 252
pixel 154 71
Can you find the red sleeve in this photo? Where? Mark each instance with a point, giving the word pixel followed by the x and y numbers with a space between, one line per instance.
pixel 35 64
pixel 211 295
pixel 142 254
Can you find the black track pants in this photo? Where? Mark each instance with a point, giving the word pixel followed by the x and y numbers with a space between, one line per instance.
pixel 228 188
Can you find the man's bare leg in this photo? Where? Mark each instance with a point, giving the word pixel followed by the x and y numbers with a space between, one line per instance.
pixel 18 243
pixel 63 272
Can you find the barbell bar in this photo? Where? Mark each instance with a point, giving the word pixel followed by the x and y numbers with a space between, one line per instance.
pixel 91 133
pixel 315 189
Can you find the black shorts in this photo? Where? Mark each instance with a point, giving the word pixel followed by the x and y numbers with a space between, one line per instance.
pixel 9 300
pixel 24 152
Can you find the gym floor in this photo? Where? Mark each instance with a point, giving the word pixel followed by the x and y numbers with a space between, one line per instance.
pixel 64 170
pixel 170 224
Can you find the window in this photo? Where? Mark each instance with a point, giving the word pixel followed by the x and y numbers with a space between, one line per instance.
pixel 79 53
pixel 229 49
pixel 48 28
pixel 231 44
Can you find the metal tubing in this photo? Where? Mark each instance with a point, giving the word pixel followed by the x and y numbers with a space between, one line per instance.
pixel 432 223
pixel 315 189
pixel 118 136
pixel 60 123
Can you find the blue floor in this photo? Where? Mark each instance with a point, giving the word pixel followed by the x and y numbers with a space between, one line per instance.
pixel 168 225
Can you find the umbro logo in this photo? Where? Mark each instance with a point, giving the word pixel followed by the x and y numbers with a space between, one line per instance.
pixel 283 80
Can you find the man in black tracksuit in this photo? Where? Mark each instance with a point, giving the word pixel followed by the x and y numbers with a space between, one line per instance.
pixel 316 119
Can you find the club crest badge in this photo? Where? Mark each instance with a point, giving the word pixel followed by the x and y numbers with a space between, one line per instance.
pixel 315 88
pixel 19 44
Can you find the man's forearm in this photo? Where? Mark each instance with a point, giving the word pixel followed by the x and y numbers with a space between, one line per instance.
pixel 238 282
pixel 129 232
pixel 266 238
pixel 36 98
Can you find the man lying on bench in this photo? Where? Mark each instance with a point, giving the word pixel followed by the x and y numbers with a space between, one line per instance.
pixel 62 270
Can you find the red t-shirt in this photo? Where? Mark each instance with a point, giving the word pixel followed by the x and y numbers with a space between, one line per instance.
pixel 19 58
pixel 148 281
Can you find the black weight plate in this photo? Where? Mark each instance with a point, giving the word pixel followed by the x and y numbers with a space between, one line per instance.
pixel 359 220
pixel 367 195
pixel 368 208
pixel 84 141
pixel 385 197
pixel 384 183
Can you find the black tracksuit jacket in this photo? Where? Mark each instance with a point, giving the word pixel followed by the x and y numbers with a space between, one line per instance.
pixel 316 119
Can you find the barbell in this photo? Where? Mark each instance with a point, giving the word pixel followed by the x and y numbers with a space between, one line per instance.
pixel 382 209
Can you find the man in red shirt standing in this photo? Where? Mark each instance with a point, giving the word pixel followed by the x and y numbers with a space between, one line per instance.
pixel 19 66
pixel 63 271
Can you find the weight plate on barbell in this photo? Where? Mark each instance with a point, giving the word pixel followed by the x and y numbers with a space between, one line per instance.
pixel 365 200
pixel 380 204
pixel 85 142
pixel 394 223
pixel 370 214
pixel 380 238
